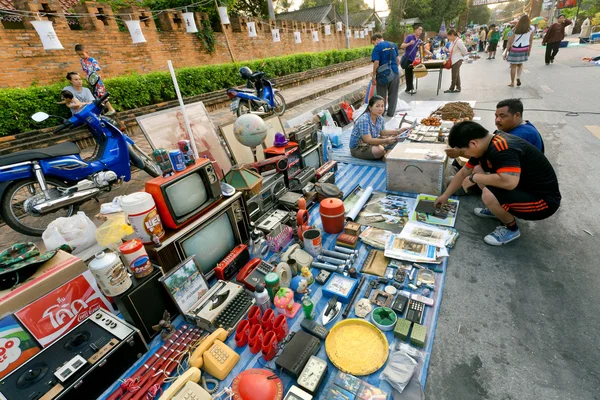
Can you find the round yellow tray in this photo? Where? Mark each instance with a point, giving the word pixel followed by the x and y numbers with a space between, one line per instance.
pixel 356 347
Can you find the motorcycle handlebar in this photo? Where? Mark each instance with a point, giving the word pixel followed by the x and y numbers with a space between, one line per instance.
pixel 64 126
pixel 103 98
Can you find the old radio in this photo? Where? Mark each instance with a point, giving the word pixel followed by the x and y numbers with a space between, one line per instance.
pixel 273 218
pixel 302 179
pixel 80 365
pixel 305 135
pixel 329 166
pixel 223 306
pixel 329 177
pixel 273 187
pixel 269 166
pixel 230 265
pixel 292 152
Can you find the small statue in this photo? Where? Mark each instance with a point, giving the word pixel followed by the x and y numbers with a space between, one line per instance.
pixel 306 274
pixel 165 326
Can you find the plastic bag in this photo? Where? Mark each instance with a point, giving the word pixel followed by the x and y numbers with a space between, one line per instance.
pixel 334 134
pixel 110 233
pixel 402 364
pixel 78 231
pixel 401 105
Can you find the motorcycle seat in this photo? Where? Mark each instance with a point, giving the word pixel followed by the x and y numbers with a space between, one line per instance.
pixel 63 149
pixel 246 90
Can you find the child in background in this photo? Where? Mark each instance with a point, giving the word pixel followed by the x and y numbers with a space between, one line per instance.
pixel 71 102
pixel 89 65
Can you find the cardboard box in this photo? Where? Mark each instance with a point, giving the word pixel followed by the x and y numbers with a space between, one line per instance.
pixel 60 269
pixel 410 169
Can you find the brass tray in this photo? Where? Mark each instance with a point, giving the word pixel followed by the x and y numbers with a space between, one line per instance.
pixel 356 347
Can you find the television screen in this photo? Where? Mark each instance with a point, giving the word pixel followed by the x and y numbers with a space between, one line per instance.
pixel 312 159
pixel 210 244
pixel 186 195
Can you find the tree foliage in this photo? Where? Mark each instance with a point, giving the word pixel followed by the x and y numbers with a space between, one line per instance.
pixel 432 12
pixel 479 15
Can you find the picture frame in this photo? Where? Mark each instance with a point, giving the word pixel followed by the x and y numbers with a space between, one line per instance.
pixel 186 284
pixel 243 154
pixel 340 286
pixel 163 129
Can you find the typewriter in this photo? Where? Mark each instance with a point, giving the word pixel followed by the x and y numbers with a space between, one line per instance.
pixel 223 306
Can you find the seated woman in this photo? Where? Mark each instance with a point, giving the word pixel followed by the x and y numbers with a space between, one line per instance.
pixel 369 140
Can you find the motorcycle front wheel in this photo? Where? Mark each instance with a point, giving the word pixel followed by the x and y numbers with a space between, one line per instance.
pixel 279 104
pixel 143 161
pixel 13 206
pixel 244 108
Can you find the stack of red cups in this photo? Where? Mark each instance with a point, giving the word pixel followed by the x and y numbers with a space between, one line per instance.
pixel 262 332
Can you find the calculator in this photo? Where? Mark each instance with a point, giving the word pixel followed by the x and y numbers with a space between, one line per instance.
pixel 415 311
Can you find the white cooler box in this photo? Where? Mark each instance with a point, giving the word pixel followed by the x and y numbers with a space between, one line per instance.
pixel 410 170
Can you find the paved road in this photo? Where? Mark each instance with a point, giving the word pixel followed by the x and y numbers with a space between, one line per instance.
pixel 522 321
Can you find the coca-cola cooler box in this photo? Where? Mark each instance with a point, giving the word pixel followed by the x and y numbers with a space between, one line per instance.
pixel 56 313
pixel 59 269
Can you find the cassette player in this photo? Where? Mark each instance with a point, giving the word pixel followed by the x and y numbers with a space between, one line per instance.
pixel 272 219
pixel 230 265
pixel 305 135
pixel 329 166
pixel 329 177
pixel 292 152
pixel 305 176
pixel 269 166
pixel 272 189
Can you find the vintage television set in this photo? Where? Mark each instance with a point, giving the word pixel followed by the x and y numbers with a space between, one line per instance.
pixel 313 157
pixel 186 195
pixel 209 239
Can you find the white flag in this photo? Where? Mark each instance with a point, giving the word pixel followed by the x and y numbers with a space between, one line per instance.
pixel 135 30
pixel 223 15
pixel 190 23
pixel 356 35
pixel 327 29
pixel 275 33
pixel 338 26
pixel 297 37
pixel 362 34
pixel 252 29
pixel 348 33
pixel 315 36
pixel 46 33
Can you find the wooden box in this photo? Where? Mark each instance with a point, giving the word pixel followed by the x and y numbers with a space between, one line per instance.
pixel 410 169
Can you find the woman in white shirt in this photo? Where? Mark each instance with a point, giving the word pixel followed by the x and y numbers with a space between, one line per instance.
pixel 457 52
pixel 519 48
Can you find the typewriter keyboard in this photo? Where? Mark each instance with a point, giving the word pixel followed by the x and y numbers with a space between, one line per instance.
pixel 235 310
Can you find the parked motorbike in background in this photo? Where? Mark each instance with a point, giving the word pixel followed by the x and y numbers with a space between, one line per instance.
pixel 37 186
pixel 265 100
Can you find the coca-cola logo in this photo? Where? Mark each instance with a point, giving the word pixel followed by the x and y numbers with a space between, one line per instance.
pixel 64 312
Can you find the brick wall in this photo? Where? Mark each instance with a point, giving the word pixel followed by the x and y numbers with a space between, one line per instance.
pixel 25 61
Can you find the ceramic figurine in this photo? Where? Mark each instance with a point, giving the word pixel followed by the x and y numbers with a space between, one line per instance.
pixel 299 285
pixel 284 302
pixel 165 326
pixel 306 274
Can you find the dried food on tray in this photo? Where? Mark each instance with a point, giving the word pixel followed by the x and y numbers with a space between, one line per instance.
pixel 455 111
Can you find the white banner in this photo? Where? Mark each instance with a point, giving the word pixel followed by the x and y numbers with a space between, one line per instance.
pixel 46 33
pixel 275 33
pixel 348 33
pixel 361 34
pixel 190 23
pixel 297 37
pixel 366 32
pixel 327 30
pixel 356 35
pixel 338 26
pixel 135 30
pixel 252 29
pixel 223 15
pixel 315 36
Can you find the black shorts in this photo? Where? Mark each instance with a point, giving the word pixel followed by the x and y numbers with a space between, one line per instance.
pixel 525 205
pixel 492 46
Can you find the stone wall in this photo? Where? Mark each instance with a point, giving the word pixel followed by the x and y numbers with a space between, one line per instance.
pixel 25 62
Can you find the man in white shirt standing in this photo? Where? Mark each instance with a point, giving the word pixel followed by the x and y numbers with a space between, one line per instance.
pixel 457 52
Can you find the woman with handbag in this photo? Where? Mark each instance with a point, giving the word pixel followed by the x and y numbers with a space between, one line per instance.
pixel 457 52
pixel 369 139
pixel 410 46
pixel 519 48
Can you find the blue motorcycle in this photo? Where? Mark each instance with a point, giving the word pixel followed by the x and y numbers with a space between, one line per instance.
pixel 37 186
pixel 265 100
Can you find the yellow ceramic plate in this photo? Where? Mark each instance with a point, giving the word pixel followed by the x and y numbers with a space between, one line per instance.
pixel 356 347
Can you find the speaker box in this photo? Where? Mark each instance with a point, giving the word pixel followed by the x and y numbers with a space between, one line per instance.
pixel 144 303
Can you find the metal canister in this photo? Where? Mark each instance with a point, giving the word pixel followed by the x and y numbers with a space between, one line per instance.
pixel 162 159
pixel 176 157
pixel 110 273
pixel 188 153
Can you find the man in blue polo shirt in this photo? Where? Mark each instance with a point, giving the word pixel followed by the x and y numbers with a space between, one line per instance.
pixel 509 119
pixel 383 53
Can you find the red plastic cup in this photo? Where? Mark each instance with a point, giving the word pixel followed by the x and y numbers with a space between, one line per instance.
pixel 255 339
pixel 269 346
pixel 268 319
pixel 241 333
pixel 280 327
pixel 254 316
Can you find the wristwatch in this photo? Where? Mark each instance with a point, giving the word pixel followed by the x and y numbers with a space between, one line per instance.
pixel 471 178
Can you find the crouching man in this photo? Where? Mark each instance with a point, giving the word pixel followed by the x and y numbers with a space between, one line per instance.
pixel 518 182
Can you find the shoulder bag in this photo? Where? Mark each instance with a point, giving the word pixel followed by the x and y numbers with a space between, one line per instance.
pixel 385 74
pixel 448 63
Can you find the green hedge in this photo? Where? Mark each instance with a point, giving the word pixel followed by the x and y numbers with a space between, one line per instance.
pixel 132 91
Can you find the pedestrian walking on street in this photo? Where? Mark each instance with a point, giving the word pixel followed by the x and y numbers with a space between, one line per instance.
pixel 553 37
pixel 457 52
pixel 89 65
pixel 493 39
pixel 411 47
pixel 506 33
pixel 385 55
pixel 519 49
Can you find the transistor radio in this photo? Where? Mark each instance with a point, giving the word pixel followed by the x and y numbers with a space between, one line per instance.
pixel 328 177
pixel 272 189
pixel 305 135
pixel 232 263
pixel 302 179
pixel 325 168
pixel 223 306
